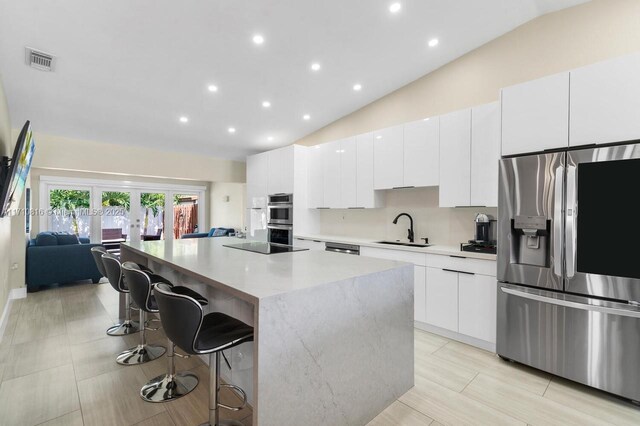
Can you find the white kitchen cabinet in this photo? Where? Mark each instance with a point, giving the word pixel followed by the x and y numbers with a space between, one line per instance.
pixel 535 115
pixel 442 298
pixel 367 197
pixel 315 177
pixel 485 154
pixel 422 152
pixel 349 173
pixel 420 293
pixel 280 178
pixel 455 159
pixel 388 158
pixel 605 100
pixel 257 174
pixel 309 244
pixel 477 306
pixel 332 156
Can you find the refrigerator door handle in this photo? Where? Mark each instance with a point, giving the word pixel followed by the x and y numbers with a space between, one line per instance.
pixel 572 304
pixel 570 220
pixel 557 222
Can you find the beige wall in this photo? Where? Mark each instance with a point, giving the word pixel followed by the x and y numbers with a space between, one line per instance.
pixel 225 213
pixel 6 148
pixel 54 152
pixel 556 42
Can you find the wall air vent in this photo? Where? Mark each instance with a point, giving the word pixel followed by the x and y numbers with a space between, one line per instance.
pixel 39 60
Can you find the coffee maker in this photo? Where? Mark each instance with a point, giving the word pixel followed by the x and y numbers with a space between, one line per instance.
pixel 485 237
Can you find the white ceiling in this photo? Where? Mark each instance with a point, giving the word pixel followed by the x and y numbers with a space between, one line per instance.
pixel 128 69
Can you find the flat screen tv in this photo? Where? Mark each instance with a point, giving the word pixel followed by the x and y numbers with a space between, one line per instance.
pixel 15 170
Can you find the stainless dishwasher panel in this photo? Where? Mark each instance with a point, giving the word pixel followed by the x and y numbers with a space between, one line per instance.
pixel 590 341
pixel 342 248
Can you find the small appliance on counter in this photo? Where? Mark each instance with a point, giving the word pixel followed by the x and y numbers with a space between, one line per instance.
pixel 485 238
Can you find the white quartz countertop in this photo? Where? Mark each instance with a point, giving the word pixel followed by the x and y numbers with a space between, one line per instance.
pixel 258 275
pixel 433 249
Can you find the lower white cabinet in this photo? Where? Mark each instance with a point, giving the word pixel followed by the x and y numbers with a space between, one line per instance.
pixel 442 298
pixel 420 293
pixel 308 244
pixel 477 306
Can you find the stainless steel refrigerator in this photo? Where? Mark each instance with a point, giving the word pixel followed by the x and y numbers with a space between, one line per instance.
pixel 569 265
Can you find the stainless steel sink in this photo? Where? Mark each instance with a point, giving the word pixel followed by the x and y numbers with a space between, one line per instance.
pixel 398 243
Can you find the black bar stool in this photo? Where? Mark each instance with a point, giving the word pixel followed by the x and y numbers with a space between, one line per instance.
pixel 109 266
pixel 172 385
pixel 186 325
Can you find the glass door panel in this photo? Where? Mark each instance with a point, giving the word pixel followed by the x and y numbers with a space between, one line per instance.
pixel 70 211
pixel 115 219
pixel 152 216
pixel 185 215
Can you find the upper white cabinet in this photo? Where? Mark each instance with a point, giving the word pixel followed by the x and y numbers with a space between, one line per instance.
pixel 535 115
pixel 605 100
pixel 349 173
pixel 280 177
pixel 366 196
pixel 388 158
pixel 421 152
pixel 315 176
pixel 332 154
pixel 257 174
pixel 485 154
pixel 455 159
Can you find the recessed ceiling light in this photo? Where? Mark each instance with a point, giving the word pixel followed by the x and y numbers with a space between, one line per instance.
pixel 315 66
pixel 306 117
pixel 395 7
pixel 270 138
pixel 357 87
pixel 231 129
pixel 258 39
pixel 212 88
pixel 184 119
pixel 433 42
pixel 266 104
pixel 425 119
pixel 378 137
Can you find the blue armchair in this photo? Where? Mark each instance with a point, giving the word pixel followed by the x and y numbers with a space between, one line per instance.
pixel 214 232
pixel 59 258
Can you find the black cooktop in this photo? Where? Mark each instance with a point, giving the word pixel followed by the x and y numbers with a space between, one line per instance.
pixel 264 248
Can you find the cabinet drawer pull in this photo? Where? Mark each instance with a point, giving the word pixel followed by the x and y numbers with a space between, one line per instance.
pixel 403 187
pixel 458 272
pixel 457 257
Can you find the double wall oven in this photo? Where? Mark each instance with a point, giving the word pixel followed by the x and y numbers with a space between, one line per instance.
pixel 280 219
pixel 569 265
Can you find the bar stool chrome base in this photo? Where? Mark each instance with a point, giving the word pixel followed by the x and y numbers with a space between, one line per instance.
pixel 225 423
pixel 140 354
pixel 127 327
pixel 168 387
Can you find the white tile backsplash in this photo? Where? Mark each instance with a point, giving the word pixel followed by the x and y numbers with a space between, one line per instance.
pixel 446 226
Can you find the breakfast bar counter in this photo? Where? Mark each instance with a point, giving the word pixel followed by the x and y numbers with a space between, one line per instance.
pixel 333 333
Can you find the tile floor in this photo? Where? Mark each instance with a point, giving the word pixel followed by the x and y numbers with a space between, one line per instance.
pixel 57 368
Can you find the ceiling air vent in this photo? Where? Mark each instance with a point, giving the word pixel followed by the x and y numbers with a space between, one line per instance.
pixel 39 60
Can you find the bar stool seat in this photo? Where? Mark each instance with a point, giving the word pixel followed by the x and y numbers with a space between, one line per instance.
pixel 186 325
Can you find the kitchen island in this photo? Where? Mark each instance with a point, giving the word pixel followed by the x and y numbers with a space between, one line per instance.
pixel 333 333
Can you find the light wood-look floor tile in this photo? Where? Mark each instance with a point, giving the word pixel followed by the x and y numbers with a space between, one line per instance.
pixel 38 355
pixel 444 372
pixel 163 419
pixel 88 329
pixel 11 322
pixel 399 414
pixel 94 358
pixel 427 343
pixel 490 364
pixel 39 320
pixel 38 397
pixel 193 409
pixel 524 405
pixel 452 408
pixel 83 305
pixel 593 402
pixel 114 398
pixel 72 419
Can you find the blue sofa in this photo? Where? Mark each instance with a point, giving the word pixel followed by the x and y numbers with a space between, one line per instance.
pixel 55 258
pixel 214 232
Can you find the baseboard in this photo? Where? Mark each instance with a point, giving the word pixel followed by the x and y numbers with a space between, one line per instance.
pixel 478 343
pixel 16 293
